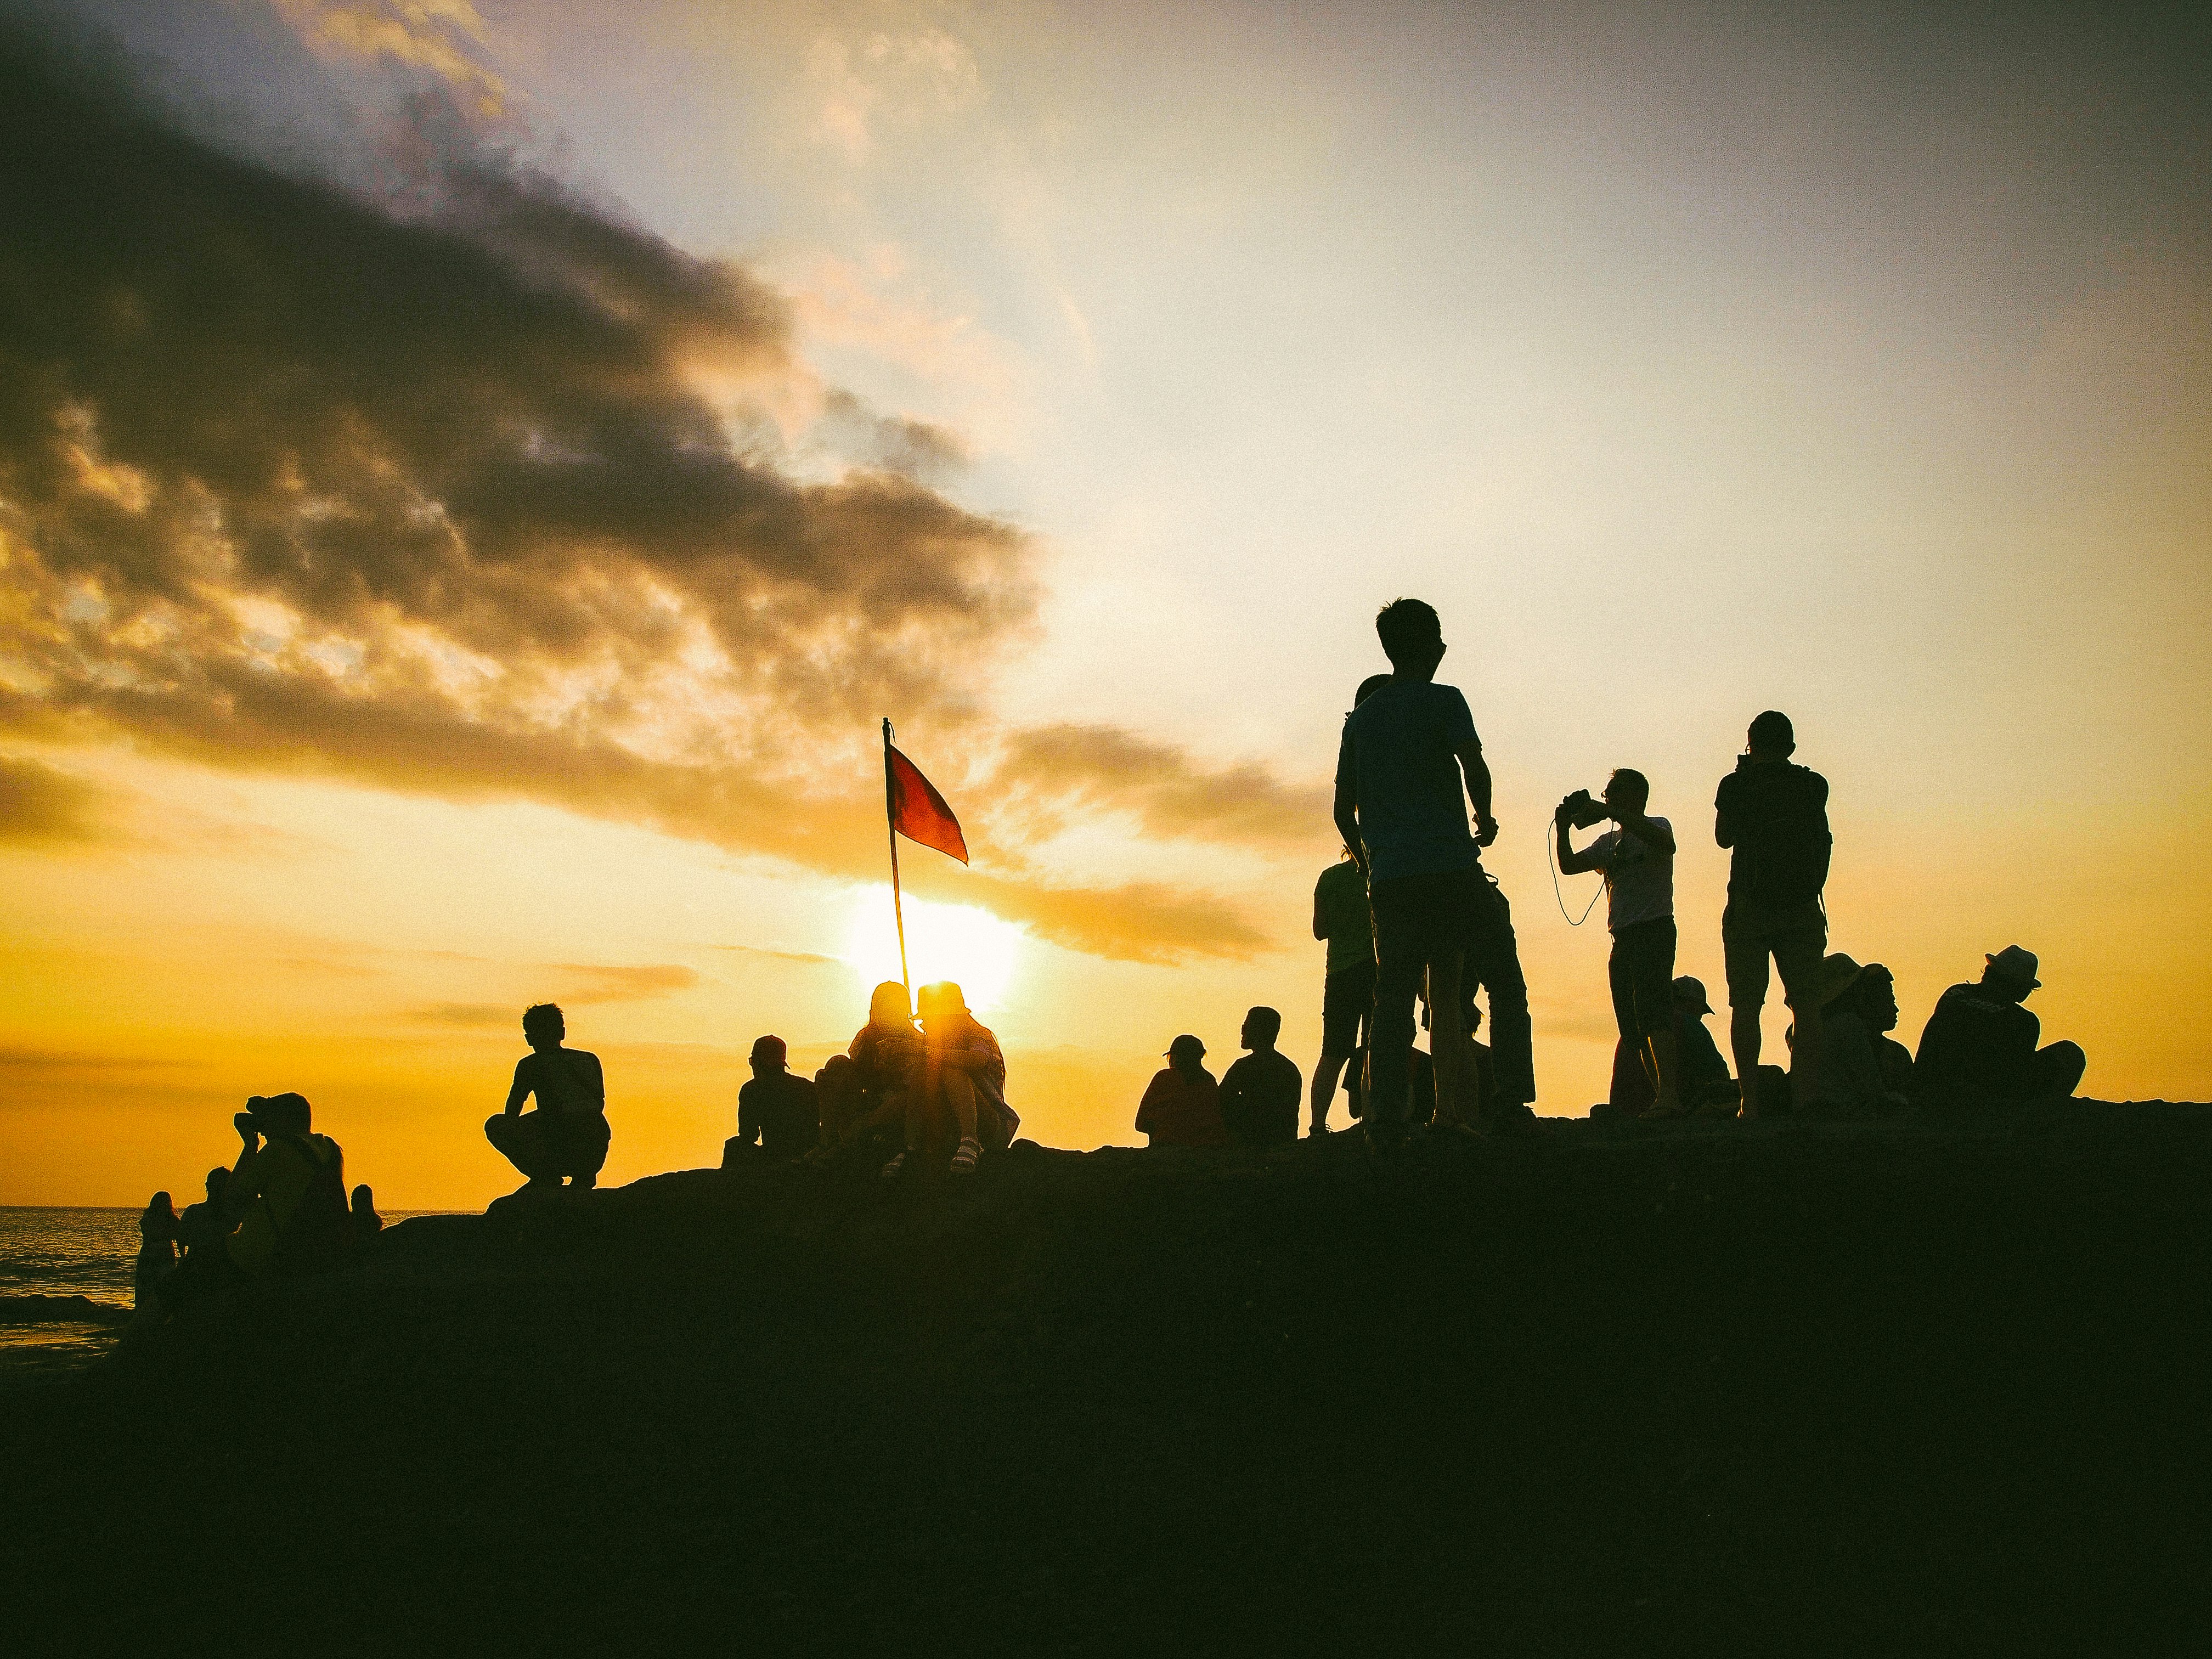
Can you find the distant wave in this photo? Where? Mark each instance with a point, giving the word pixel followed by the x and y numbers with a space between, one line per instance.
pixel 60 1309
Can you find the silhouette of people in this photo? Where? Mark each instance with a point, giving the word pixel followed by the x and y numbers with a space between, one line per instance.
pixel 1347 994
pixel 866 1096
pixel 1260 1091
pixel 777 1112
pixel 1638 860
pixel 1182 1105
pixel 1407 752
pixel 157 1252
pixel 1979 1049
pixel 1773 814
pixel 567 1134
pixel 1855 1079
pixel 959 1087
pixel 204 1232
pixel 1876 999
pixel 362 1222
pixel 286 1189
pixel 1342 921
pixel 1705 1087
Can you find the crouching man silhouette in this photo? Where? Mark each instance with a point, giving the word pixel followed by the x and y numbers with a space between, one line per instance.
pixel 567 1135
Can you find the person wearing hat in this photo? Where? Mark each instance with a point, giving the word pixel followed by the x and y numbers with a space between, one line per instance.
pixel 1980 1049
pixel 778 1116
pixel 1854 1080
pixel 1182 1103
pixel 1706 1089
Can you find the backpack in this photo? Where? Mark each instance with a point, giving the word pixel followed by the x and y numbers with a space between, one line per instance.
pixel 1789 860
pixel 314 1238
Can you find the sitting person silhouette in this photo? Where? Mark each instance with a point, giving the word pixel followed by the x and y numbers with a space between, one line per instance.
pixel 777 1115
pixel 1182 1105
pixel 1852 1084
pixel 567 1134
pixel 1260 1091
pixel 959 1088
pixel 363 1223
pixel 1876 996
pixel 203 1234
pixel 1978 1050
pixel 866 1095
pixel 1706 1088
pixel 157 1252
pixel 287 1190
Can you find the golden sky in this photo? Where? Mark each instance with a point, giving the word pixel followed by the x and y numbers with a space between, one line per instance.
pixel 471 479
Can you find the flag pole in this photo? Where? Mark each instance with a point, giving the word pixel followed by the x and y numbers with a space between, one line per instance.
pixel 891 823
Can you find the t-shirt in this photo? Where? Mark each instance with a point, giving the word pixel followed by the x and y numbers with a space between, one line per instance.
pixel 567 1082
pixel 1639 877
pixel 1181 1111
pixel 885 1059
pixel 1340 896
pixel 1774 816
pixel 1260 1098
pixel 1399 761
pixel 1978 1048
pixel 779 1114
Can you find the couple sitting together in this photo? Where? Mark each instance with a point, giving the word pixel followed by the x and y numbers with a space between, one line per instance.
pixel 945 1081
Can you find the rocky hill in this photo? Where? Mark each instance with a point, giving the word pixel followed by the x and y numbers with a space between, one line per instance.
pixel 1587 1390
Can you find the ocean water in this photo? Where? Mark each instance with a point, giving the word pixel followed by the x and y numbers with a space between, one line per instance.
pixel 67 1252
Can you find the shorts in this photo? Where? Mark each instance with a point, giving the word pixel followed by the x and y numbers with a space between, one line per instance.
pixel 1347 1001
pixel 1642 974
pixel 1794 935
pixel 1426 918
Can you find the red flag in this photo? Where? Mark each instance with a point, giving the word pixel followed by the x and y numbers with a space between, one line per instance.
pixel 918 811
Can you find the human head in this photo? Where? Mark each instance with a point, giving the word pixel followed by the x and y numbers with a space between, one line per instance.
pixel 769 1055
pixel 1628 788
pixel 1186 1053
pixel 2011 972
pixel 1412 638
pixel 1838 974
pixel 1771 736
pixel 284 1113
pixel 1262 1027
pixel 364 1201
pixel 161 1204
pixel 217 1179
pixel 888 1007
pixel 542 1025
pixel 1689 998
pixel 940 1002
pixel 1876 997
pixel 1369 687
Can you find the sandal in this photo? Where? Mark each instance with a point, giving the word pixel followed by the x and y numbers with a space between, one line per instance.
pixel 891 1169
pixel 964 1160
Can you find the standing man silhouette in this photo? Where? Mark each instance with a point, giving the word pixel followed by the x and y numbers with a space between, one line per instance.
pixel 1774 815
pixel 1342 920
pixel 1406 753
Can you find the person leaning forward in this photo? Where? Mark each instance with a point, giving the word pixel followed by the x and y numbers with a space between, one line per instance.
pixel 567 1135
pixel 1978 1050
pixel 1406 755
pixel 1773 816
pixel 287 1190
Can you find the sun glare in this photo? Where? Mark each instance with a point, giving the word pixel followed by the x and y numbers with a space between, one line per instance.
pixel 957 942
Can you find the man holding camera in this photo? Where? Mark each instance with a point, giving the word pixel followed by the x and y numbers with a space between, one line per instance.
pixel 1638 860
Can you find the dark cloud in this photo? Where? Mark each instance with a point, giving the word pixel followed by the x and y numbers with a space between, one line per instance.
pixel 462 485
pixel 41 803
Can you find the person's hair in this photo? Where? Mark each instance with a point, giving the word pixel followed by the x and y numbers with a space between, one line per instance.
pixel 887 1005
pixel 1634 778
pixel 363 1199
pixel 217 1179
pixel 1409 630
pixel 1267 1020
pixel 287 1112
pixel 159 1204
pixel 1772 732
pixel 944 996
pixel 545 1016
pixel 1369 686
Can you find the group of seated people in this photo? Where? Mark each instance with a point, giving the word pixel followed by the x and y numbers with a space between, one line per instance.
pixel 1254 1103
pixel 1981 1050
pixel 281 1209
pixel 914 1081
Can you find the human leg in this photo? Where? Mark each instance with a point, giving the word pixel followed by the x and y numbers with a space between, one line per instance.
pixel 1651 987
pixel 1799 938
pixel 1493 957
pixel 521 1140
pixel 2055 1072
pixel 1401 909
pixel 1347 999
pixel 1744 952
pixel 1448 1042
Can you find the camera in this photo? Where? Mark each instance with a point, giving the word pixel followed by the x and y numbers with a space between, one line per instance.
pixel 1581 811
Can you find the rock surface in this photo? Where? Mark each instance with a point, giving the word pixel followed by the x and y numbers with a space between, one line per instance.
pixel 1591 1388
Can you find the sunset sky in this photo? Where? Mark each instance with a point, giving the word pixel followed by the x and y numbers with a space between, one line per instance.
pixel 472 478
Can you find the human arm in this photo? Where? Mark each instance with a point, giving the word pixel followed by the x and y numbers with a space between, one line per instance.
pixel 1724 826
pixel 523 1086
pixel 1320 926
pixel 1654 834
pixel 1346 808
pixel 1572 863
pixel 750 1128
pixel 1476 770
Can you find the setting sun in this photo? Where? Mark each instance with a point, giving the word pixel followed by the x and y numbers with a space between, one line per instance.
pixel 971 947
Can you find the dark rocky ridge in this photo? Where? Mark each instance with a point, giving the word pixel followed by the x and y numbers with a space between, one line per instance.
pixel 1781 1387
